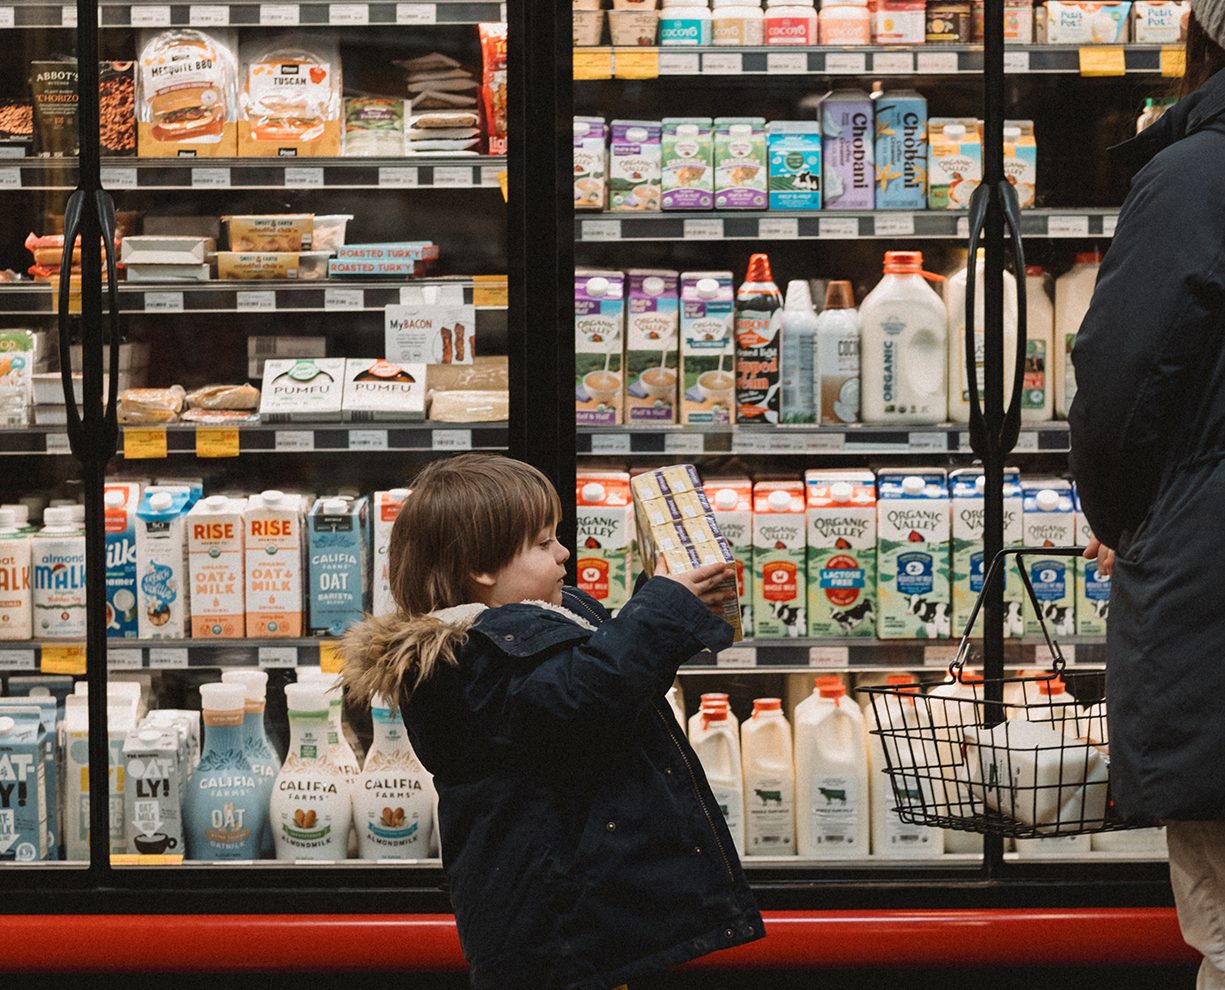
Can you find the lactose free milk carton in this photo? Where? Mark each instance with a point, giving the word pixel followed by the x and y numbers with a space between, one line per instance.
pixel 599 324
pixel 164 589
pixel 386 508
pixel 605 516
pixel 731 501
pixel 339 563
pixel 740 164
pixel 23 796
pixel 121 499
pixel 779 551
pixel 215 562
pixel 1050 521
pixel 841 537
pixel 1092 587
pixel 969 563
pixel 795 164
pixel 274 547
pixel 634 166
pixel 688 163
pixel 708 348
pixel 912 512
pixel 651 338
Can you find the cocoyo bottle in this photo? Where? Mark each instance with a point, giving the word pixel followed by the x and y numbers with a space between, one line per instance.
pixel 831 778
pixel 769 781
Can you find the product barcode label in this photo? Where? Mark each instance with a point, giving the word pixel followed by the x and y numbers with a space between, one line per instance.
pixel 344 299
pixel 58 443
pixel 703 230
pixel 937 63
pixel 838 228
pixel 1016 61
pixel 737 656
pixel 1109 225
pixel 679 64
pixel 610 443
pixel 150 15
pixel 829 656
pixel 398 177
pixel 893 62
pixel 255 301
pixel 416 13
pixel 451 439
pixel 304 178
pixel 293 440
pixel 163 302
pixel 210 178
pixel 601 230
pixel 348 13
pixel 453 177
pixel 210 15
pixel 1075 226
pixel 722 64
pixel 163 658
pixel 282 14
pixel 10 178
pixel 7 17
pixel 491 176
pixel 119 178
pixel 893 225
pixel 779 228
pixel 783 63
pixel 18 660
pixel 123 659
pixel 684 443
pixel 846 63
pixel 278 656
pixel 368 440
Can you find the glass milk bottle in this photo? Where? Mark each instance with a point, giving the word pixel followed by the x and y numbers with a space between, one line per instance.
pixel 393 802
pixel 224 809
pixel 311 812
pixel 255 742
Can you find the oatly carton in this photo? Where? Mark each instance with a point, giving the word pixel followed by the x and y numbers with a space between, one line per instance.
pixel 215 562
pixel 688 163
pixel 339 564
pixel 841 539
pixel 49 712
pixel 386 509
pixel 708 348
pixel 164 591
pixel 121 499
pixel 153 790
pixel 605 516
pixel 779 550
pixel 599 346
pixel 651 351
pixel 1050 521
pixel 119 721
pixel 968 559
pixel 731 501
pixel 912 512
pixel 847 150
pixel 273 543
pixel 1092 586
pixel 23 794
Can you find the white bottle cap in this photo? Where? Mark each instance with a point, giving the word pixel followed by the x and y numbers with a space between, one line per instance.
pixel 726 499
pixel 593 491
pixel 160 501
pixel 1011 133
pixel 1047 500
pixel 76 513
pixel 637 134
pixel 581 127
pixel 913 485
pixel 272 496
pixel 707 288
pixel 687 131
pixel 980 483
pixel 399 494
pixel 8 519
pixel 59 515
pixel 7 725
pixel 597 286
pixel 335 506
pixel 301 698
pixel 779 500
pixel 113 499
pixel 215 503
pixel 21 513
pixel 841 491
pixel 653 285
pixel 740 130
pixel 253 682
pixel 954 130
pixel 149 736
pixel 799 295
pixel 222 697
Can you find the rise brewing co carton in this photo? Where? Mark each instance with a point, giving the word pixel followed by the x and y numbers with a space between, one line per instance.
pixel 1050 521
pixel 969 563
pixel 339 564
pixel 1092 587
pixel 121 501
pixel 847 150
pixel 779 569
pixel 795 164
pixel 708 348
pixel 651 327
pixel 386 508
pixel 215 561
pixel 688 163
pixel 164 591
pixel 841 539
pixel 23 795
pixel 605 516
pixel 901 151
pixel 273 543
pixel 912 511
pixel 599 322
pixel 731 501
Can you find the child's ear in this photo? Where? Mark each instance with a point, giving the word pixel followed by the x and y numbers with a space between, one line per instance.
pixel 483 580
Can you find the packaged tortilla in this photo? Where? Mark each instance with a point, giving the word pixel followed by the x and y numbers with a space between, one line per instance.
pixel 493 51
pixel 291 98
pixel 426 63
pixel 228 397
pixel 374 127
pixel 220 417
pixel 151 405
pixel 186 94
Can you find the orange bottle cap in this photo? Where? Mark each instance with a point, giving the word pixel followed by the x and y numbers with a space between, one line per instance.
pixel 766 705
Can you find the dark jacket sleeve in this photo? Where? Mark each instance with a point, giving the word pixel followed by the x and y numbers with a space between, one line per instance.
pixel 1152 325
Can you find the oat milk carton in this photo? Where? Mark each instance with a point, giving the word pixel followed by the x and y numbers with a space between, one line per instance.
pixel 121 500
pixel 590 163
pixel 708 348
pixel 901 151
pixel 651 329
pixel 1050 521
pixel 120 720
pixel 731 501
pixel 215 563
pixel 913 530
pixel 599 325
pixel 153 791
pixel 386 509
pixel 848 150
pixel 1092 587
pixel 635 158
pixel 339 564
pixel 741 166
pixel 605 515
pixel 274 546
pixel 688 163
pixel 164 589
pixel 48 710
pixel 23 795
pixel 969 563
pixel 16 603
pixel 841 528
pixel 779 549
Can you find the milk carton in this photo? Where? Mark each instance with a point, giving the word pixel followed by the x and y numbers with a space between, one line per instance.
pixel 121 500
pixel 308 389
pixel 779 571
pixel 164 589
pixel 1021 159
pixel 635 159
pixel 1092 587
pixel 740 163
pixel 16 604
pixel 901 151
pixel 731 501
pixel 1050 521
pixel 386 508
pixel 955 162
pixel 599 321
pixel 708 348
pixel 605 516
pixel 153 791
pixel 841 538
pixel 913 553
pixel 590 163
pixel 48 711
pixel 119 721
pixel 847 150
pixel 795 164
pixel 23 795
pixel 969 563
pixel 273 543
pixel 215 563
pixel 57 567
pixel 339 564
pixel 651 352
pixel 688 163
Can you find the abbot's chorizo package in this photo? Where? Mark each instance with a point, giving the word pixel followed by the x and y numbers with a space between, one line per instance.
pixel 291 98
pixel 186 95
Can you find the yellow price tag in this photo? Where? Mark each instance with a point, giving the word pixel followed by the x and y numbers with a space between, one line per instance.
pixel 593 63
pixel 63 658
pixel 489 290
pixel 74 295
pixel 1103 60
pixel 1173 61
pixel 146 859
pixel 636 63
pixel 503 178
pixel 216 441
pixel 144 442
pixel 330 659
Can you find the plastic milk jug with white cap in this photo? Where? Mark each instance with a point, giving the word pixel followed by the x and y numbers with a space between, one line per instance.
pixel 719 753
pixel 769 781
pixel 16 604
pixel 1073 293
pixel 958 378
pixel 215 562
pixel 831 778
pixel 1038 397
pixel 120 500
pixel 393 799
pixel 57 566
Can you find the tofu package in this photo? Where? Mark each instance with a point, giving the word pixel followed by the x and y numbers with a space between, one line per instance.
pixel 379 390
pixel 302 389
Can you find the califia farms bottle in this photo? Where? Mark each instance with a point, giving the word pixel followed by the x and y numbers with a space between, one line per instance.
pixel 393 802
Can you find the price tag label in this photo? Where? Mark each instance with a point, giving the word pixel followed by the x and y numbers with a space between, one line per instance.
pixel 209 15
pixel 1016 62
pixel 636 63
pixel 489 291
pixel 929 441
pixel 304 178
pixel 123 659
pixel 679 64
pixel 348 13
pixel 490 176
pixel 10 178
pixel 893 225
pixel 610 443
pixel 825 440
pixel 1027 442
pixel 601 230
pixel 722 64
pixel 417 13
pixel 18 660
pixel 846 63
pixel 58 443
pixel 684 443
pixel 163 302
pixel 737 656
pixel 1075 226
pixel 1102 60
pixel 291 441
pixel 279 14
pixel 63 658
pixel 593 63
pixel 939 656
pixel 1109 224
pixel 165 658
pixel 255 301
pixel 338 299
pixel 893 63
pixel 963 227
pixel 838 228
pixel 210 178
pixel 368 440
pixel 703 230
pixel 937 63
pixel 278 656
pixel 451 439
pixel 1174 62
pixel 829 656
pixel 7 17
pixel 153 859
pixel 786 63
pixel 150 15
pixel 119 178
pixel 1043 654
pixel 398 177
pixel 330 659
pixel 68 15
pixel 778 228
pixel 770 443
pixel 216 441
pixel 144 442
pixel 453 177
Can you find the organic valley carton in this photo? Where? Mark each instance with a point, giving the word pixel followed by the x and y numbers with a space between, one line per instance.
pixel 386 508
pixel 605 515
pixel 731 501
pixel 1021 159
pixel 339 564
pixel 708 348
pixel 795 164
pixel 779 550
pixel 651 327
pixel 599 322
pixel 215 561
pixel 912 511
pixel 688 163
pixel 841 537
pixel 969 563
pixel 955 159
pixel 23 796
pixel 590 163
pixel 273 544
pixel 1050 521
pixel 741 164
pixel 1092 587
pixel 164 590
pixel 121 500
pixel 634 164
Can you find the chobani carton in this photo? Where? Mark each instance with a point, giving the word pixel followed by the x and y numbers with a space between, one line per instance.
pixel 708 348
pixel 674 520
pixel 274 580
pixel 841 537
pixel 605 515
pixel 1050 521
pixel 651 347
pixel 387 507
pixel 912 512
pixel 731 501
pixel 215 562
pixel 23 794
pixel 599 346
pixel 1092 587
pixel 779 550
pixel 969 563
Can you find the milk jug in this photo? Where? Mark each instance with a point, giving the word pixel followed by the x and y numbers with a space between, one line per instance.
pixel 719 753
pixel 1050 521
pixel 339 748
pixel 798 371
pixel 256 745
pixel 387 507
pixel 1073 293
pixel 903 329
pixel 841 541
pixel 716 700
pixel 164 589
pixel 955 298
pixel 1038 397
pixel 224 812
pixel 676 702
pixel 274 548
pixel 831 778
pixel 57 563
pixel 731 501
pixel 837 363
pixel 16 606
pixel 215 564
pixel 769 781
pixel 948 708
pixel 311 812
pixel 119 514
pixel 393 801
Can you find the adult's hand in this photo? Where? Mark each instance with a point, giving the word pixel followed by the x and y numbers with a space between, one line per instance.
pixel 1097 550
pixel 705 582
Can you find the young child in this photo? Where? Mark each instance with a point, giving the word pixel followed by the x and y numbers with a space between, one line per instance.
pixel 582 844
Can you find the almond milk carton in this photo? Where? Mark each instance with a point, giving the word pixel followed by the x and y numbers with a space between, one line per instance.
pixel 605 514
pixel 163 589
pixel 779 550
pixel 599 346
pixel 216 562
pixel 1050 521
pixel 1092 586
pixel 731 501
pixel 387 507
pixel 969 563
pixel 912 511
pixel 274 549
pixel 841 537
pixel 708 348
pixel 651 348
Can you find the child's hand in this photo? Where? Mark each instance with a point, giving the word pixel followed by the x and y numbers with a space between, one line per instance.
pixel 704 582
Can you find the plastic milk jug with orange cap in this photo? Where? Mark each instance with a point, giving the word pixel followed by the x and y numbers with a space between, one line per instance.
pixel 769 781
pixel 831 778
pixel 841 527
pixel 719 753
pixel 903 329
pixel 779 552
pixel 731 501
pixel 958 376
pixel 1038 395
pixel 605 516
pixel 946 710
pixel 714 700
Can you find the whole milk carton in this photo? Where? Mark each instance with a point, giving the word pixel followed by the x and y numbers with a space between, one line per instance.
pixel 731 501
pixel 23 795
pixel 651 352
pixel 339 564
pixel 913 553
pixel 605 515
pixel 795 164
pixel 386 509
pixel 164 591
pixel 708 348
pixel 779 568
pixel 969 563
pixel 215 563
pixel 841 537
pixel 273 542
pixel 1050 521
pixel 120 500
pixel 599 346
pixel 1092 586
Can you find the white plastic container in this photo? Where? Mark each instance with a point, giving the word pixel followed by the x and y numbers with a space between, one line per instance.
pixel 837 361
pixel 791 22
pixel 831 782
pixel 684 22
pixel 798 371
pixel 950 706
pixel 769 781
pixel 1038 397
pixel 676 701
pixel 903 328
pixel 845 23
pixel 16 605
pixel 1073 292
pixel 718 751
pixel 737 22
pixel 955 300
pixel 57 568
pixel 393 801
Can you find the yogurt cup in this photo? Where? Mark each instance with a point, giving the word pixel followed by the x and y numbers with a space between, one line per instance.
pixel 630 27
pixel 587 4
pixel 588 28
pixel 640 5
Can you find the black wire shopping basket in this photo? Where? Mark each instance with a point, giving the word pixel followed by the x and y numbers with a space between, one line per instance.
pixel 1031 762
